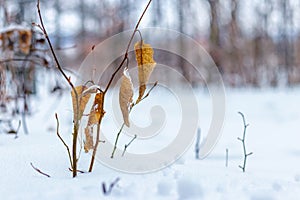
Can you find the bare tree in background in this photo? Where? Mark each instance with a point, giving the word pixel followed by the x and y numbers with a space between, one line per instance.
pixel 265 54
pixel 214 36
pixel 182 5
pixel 236 52
pixel 157 14
pixel 286 38
pixel 264 45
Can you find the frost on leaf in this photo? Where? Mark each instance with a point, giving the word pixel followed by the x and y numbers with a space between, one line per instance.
pixel 82 101
pixel 125 96
pixel 144 57
pixel 95 117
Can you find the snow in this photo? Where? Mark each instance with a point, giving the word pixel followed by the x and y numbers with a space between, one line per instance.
pixel 272 172
pixel 14 27
pixel 189 188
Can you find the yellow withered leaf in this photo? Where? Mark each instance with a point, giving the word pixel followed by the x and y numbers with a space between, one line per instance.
pixel 125 96
pixel 97 111
pixel 82 101
pixel 144 57
pixel 95 116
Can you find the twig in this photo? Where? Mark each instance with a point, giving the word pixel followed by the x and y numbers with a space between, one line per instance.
pixel 76 121
pixel 127 145
pixel 12 130
pixel 116 141
pixel 127 49
pixel 80 171
pixel 39 171
pixel 25 106
pixel 226 158
pixel 111 186
pixel 243 142
pixel 17 130
pixel 131 107
pixel 61 139
pixel 154 85
pixel 25 128
pixel 43 29
pixel 97 140
pixel 197 145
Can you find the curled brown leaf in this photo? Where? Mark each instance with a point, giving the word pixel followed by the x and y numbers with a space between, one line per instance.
pixel 125 96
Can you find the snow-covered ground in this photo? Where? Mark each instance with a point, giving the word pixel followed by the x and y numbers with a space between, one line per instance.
pixel 272 172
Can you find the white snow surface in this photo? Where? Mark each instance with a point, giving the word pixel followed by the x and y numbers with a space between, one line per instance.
pixel 272 172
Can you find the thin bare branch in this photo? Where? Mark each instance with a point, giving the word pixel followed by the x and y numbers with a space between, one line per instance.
pixel 39 171
pixel 76 121
pixel 127 145
pixel 197 145
pixel 243 142
pixel 96 143
pixel 128 46
pixel 116 141
pixel 154 85
pixel 226 157
pixel 43 29
pixel 111 186
pixel 80 171
pixel 61 139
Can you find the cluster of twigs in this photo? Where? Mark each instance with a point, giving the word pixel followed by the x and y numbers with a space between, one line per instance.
pixel 16 70
pixel 73 158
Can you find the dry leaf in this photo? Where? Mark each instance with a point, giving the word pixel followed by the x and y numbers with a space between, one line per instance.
pixel 9 40
pixel 25 41
pixel 144 57
pixel 125 96
pixel 95 116
pixel 82 101
pixel 97 111
pixel 88 139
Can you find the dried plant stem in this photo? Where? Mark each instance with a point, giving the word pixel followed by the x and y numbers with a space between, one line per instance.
pixel 80 171
pixel 197 145
pixel 25 128
pixel 96 144
pixel 226 157
pixel 116 141
pixel 107 191
pixel 39 171
pixel 109 84
pixel 243 142
pixel 127 145
pixel 61 139
pixel 76 121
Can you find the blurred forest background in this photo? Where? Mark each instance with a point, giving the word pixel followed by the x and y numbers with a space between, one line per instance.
pixel 253 43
